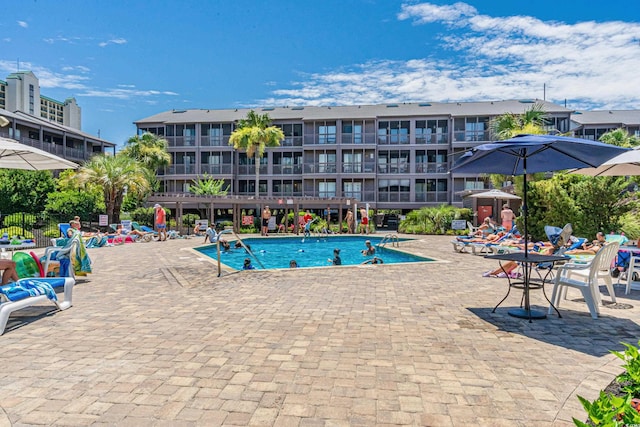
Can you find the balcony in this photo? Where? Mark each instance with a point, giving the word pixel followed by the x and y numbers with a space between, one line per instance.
pixel 181 169
pixel 385 196
pixel 212 141
pixel 181 141
pixel 251 169
pixel 471 136
pixel 432 139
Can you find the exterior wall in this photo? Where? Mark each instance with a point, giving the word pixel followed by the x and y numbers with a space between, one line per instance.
pixel 71 114
pixel 23 93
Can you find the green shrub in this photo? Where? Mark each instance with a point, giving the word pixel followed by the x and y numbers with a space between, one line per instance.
pixel 18 232
pixel 20 220
pixel 617 411
pixel 248 229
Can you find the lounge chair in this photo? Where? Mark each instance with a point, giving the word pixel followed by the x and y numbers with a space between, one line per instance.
pixel 27 292
pixel 64 227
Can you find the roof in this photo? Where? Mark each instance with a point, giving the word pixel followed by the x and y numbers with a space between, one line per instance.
pixel 381 111
pixel 19 115
pixel 596 117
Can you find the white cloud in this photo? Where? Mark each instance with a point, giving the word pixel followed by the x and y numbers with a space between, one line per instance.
pixel 112 41
pixel 23 24
pixel 590 64
pixel 124 93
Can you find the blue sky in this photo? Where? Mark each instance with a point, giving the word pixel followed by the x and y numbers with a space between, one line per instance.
pixel 127 60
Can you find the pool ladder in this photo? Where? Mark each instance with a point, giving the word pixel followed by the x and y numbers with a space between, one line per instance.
pixel 390 238
pixel 243 245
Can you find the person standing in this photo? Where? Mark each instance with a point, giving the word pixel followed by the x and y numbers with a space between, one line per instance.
pixel 266 215
pixel 364 221
pixel 160 221
pixel 507 217
pixel 350 222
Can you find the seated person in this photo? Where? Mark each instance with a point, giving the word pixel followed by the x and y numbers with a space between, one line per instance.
pixel 370 250
pixel 590 248
pixel 488 239
pixel 487 227
pixel 10 273
pixel 213 234
pixel 199 229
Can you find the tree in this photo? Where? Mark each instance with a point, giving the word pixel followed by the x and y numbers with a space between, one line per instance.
pixel 209 186
pixel 115 175
pixel 621 138
pixel 24 191
pixel 254 134
pixel 148 149
pixel 509 125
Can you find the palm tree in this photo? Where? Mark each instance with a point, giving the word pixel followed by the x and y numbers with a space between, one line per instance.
pixel 115 175
pixel 149 149
pixel 621 138
pixel 254 134
pixel 509 125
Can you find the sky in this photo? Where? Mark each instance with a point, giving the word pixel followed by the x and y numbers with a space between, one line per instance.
pixel 127 60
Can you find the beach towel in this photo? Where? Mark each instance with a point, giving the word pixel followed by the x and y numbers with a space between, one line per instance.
pixel 26 288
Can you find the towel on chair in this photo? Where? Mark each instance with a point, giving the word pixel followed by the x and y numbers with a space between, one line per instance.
pixel 28 288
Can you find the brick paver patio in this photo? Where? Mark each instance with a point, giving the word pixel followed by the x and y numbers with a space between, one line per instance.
pixel 155 338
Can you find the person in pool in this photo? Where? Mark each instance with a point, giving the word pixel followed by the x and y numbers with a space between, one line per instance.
pixel 374 260
pixel 247 265
pixel 336 257
pixel 370 250
pixel 293 264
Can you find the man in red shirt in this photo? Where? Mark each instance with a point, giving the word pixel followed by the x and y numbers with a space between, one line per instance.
pixel 160 223
pixel 307 216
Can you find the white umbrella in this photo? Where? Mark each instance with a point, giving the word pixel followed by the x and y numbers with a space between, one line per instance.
pixel 495 195
pixel 14 155
pixel 625 164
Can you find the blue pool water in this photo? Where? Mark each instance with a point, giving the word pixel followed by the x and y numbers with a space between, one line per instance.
pixel 276 252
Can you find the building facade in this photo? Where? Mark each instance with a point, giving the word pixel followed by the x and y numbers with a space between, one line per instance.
pixel 44 123
pixel 21 92
pixel 392 156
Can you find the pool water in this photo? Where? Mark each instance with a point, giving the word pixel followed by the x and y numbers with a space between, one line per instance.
pixel 277 252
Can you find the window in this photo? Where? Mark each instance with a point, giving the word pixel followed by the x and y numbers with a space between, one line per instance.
pixel 393 161
pixel 327 189
pixel 327 134
pixel 352 190
pixel 394 190
pixel 292 134
pixel 287 187
pixel 352 132
pixel 431 190
pixel 352 162
pixel 393 132
pixel 471 129
pixel 326 162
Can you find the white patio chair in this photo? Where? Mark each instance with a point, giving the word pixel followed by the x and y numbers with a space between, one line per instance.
pixel 585 277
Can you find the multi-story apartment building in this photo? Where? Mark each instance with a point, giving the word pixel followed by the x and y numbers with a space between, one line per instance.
pixel 21 92
pixel 45 123
pixel 393 156
pixel 593 124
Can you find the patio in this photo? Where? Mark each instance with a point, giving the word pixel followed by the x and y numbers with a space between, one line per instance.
pixel 155 338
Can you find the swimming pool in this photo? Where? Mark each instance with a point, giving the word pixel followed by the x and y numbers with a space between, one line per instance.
pixel 276 252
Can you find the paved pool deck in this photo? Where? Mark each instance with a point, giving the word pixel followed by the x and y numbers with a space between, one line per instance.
pixel 155 338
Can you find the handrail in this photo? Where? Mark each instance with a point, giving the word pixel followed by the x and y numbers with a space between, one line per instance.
pixel 393 238
pixel 243 245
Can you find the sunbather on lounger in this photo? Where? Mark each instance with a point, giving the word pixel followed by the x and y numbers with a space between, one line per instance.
pixel 9 274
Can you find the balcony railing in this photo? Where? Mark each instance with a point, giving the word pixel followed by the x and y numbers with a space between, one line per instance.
pixel 431 168
pixel 213 141
pixel 358 167
pixel 320 168
pixel 287 169
pixel 181 169
pixel 181 141
pixel 385 196
pixel 471 136
pixel 219 169
pixel 432 197
pixel 438 138
pixel 251 169
pixel 387 168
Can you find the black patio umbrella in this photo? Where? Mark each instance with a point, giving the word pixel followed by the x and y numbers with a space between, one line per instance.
pixel 525 154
